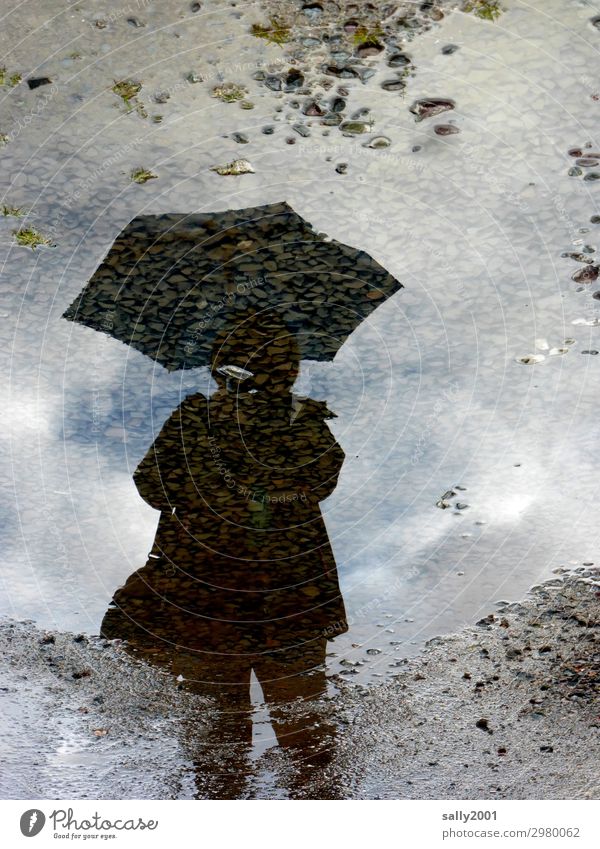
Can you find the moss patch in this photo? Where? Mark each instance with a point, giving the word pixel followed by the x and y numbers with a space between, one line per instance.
pixel 28 237
pixel 487 10
pixel 229 92
pixel 9 79
pixel 366 35
pixel 14 211
pixel 142 175
pixel 275 32
pixel 128 91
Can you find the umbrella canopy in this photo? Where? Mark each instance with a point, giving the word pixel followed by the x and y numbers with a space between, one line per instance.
pixel 170 282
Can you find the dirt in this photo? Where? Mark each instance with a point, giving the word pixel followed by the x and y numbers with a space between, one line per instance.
pixel 507 709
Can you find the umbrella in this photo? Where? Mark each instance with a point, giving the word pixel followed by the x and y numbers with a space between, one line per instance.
pixel 170 282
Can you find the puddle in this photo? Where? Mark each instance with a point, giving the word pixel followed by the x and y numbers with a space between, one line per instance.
pixel 444 388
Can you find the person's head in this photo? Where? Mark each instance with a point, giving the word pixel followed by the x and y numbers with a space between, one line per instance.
pixel 259 343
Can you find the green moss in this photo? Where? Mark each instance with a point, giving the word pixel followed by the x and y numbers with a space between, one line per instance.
pixel 142 175
pixel 229 92
pixel 487 10
pixel 127 90
pixel 9 79
pixel 4 138
pixel 14 211
pixel 27 237
pixel 276 32
pixel 364 35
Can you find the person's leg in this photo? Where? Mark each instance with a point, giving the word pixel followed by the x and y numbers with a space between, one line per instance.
pixel 221 745
pixel 291 680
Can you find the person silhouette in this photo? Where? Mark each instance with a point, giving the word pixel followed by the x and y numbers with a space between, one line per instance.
pixel 241 576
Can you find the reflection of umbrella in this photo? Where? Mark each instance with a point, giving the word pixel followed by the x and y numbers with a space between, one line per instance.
pixel 169 282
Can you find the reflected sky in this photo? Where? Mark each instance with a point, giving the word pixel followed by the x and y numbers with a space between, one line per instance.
pixel 427 391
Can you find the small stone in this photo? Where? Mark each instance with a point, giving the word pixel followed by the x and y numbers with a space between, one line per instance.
pixel 398 60
pixel 353 128
pixel 483 724
pixel 342 168
pixel 135 22
pixel 268 131
pixel 193 77
pixel 235 168
pixel 274 83
pixel 574 172
pixel 240 138
pixel 301 130
pixel 428 107
pixel 393 85
pixel 314 109
pixel 449 49
pixel 36 82
pixel 588 274
pixel 369 48
pixel 530 359
pixel 445 130
pixel 378 142
pixel 592 176
pixel 294 80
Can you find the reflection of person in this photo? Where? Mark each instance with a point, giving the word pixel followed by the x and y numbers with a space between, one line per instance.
pixel 241 576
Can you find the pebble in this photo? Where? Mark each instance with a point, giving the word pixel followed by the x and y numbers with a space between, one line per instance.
pixel 274 83
pixel 445 129
pixel 235 168
pixel 302 130
pixel 530 359
pixel 36 82
pixel 428 107
pixel 398 60
pixel 378 142
pixel 353 128
pixel 586 275
pixel 449 49
pixel 393 85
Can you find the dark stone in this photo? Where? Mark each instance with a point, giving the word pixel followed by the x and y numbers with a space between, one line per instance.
pixel 586 275
pixel 274 83
pixel 445 130
pixel 449 49
pixel 301 130
pixel 393 85
pixel 294 80
pixel 36 82
pixel 369 48
pixel 345 72
pixel 338 104
pixel 314 109
pixel 398 60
